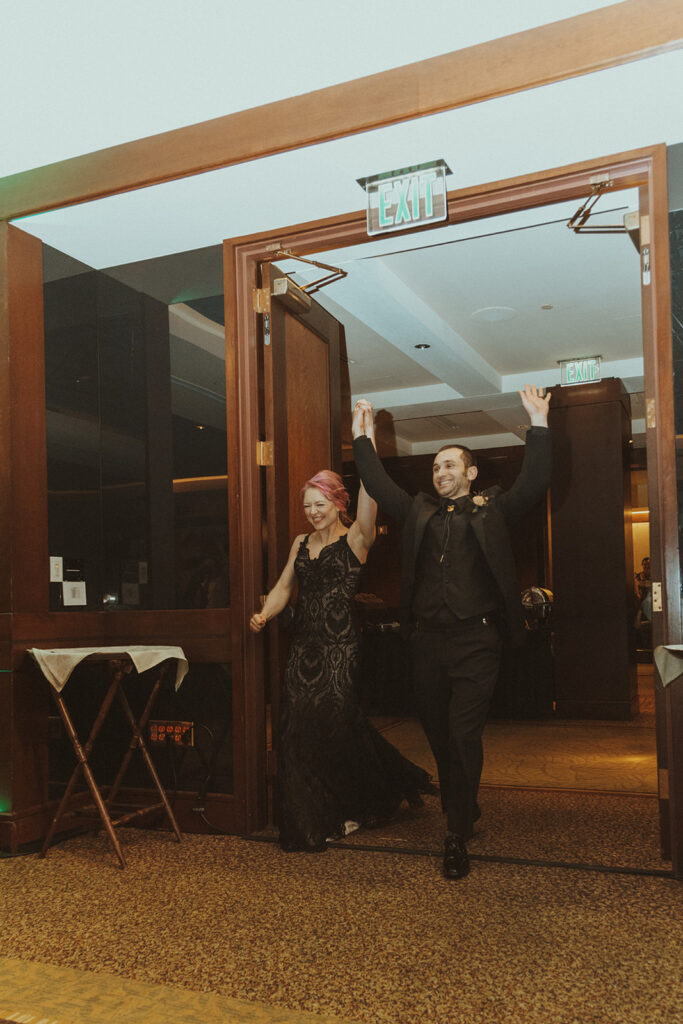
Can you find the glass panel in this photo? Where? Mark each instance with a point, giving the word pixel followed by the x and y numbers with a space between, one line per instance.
pixel 136 431
pixel 73 423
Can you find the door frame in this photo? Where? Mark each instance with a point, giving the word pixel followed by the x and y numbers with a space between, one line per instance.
pixel 644 169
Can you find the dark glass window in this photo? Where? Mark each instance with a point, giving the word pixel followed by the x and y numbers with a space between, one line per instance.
pixel 136 431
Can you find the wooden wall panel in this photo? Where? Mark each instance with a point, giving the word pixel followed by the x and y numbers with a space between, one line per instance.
pixel 592 558
pixel 23 483
pixel 6 683
pixel 29 551
pixel 5 641
pixel 246 562
pixel 5 428
pixel 180 627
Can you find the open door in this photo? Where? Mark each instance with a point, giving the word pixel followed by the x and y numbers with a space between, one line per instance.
pixel 287 384
pixel 303 385
pixel 645 169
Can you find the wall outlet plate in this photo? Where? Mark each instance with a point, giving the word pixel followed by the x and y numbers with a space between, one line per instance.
pixel 73 592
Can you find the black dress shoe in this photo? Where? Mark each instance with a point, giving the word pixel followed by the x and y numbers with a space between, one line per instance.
pixel 456 863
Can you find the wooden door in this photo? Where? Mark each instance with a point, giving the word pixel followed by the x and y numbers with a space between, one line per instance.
pixel 303 356
pixel 287 382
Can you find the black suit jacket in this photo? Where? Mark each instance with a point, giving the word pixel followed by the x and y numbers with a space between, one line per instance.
pixel 489 520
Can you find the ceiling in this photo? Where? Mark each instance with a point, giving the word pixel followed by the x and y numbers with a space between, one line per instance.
pixel 165 240
pixel 498 302
pixel 83 76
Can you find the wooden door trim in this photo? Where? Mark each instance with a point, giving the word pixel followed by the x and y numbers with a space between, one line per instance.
pixel 659 375
pixel 244 335
pixel 276 430
pixel 487 199
pixel 244 498
pixel 589 42
pixel 24 581
pixel 644 168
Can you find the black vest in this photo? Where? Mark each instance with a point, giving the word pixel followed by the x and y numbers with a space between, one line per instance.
pixel 452 577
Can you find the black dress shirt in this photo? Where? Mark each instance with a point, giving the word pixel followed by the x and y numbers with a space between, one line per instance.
pixel 452 576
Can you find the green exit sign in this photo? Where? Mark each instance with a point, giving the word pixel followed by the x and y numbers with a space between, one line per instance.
pixel 406 198
pixel 580 371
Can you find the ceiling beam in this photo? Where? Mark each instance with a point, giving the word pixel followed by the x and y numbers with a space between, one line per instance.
pixel 405 321
pixel 441 399
pixel 599 39
pixel 478 443
pixel 547 378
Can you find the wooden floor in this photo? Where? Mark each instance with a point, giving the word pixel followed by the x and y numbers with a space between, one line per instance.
pixel 35 993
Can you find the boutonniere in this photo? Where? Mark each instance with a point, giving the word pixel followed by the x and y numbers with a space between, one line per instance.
pixel 479 501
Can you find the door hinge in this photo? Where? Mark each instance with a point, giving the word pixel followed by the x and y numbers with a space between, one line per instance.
pixel 651 414
pixel 264 453
pixel 656 596
pixel 261 300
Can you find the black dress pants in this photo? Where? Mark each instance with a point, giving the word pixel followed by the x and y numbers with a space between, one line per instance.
pixel 454 675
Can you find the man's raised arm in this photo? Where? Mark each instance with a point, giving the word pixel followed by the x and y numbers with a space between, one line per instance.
pixel 391 498
pixel 534 477
pixel 536 404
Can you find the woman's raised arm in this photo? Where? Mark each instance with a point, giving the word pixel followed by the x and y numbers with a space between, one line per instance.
pixel 362 532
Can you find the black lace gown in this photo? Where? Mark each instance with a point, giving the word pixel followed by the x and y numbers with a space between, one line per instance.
pixel 333 766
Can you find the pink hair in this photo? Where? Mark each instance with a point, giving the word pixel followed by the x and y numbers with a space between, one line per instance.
pixel 331 485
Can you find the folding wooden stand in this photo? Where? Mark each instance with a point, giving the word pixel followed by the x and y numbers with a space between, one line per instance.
pixel 120 665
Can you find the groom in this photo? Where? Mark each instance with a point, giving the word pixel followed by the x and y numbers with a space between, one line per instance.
pixel 460 596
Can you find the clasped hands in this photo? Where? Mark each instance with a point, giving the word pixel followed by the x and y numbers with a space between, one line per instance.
pixel 363 422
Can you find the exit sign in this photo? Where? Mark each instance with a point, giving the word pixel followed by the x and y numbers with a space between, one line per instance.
pixel 407 198
pixel 580 371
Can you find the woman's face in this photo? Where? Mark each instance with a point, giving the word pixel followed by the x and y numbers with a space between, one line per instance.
pixel 318 509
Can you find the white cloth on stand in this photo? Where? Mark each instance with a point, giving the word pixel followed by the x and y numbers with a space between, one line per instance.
pixel 669 662
pixel 58 663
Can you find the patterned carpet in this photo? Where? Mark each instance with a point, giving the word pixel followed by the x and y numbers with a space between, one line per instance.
pixel 368 937
pixel 612 831
pixel 540 825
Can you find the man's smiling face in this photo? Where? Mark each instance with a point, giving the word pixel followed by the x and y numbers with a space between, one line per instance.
pixel 451 477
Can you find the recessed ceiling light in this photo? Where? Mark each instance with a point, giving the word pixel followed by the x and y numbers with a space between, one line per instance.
pixel 423 345
pixel 494 314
